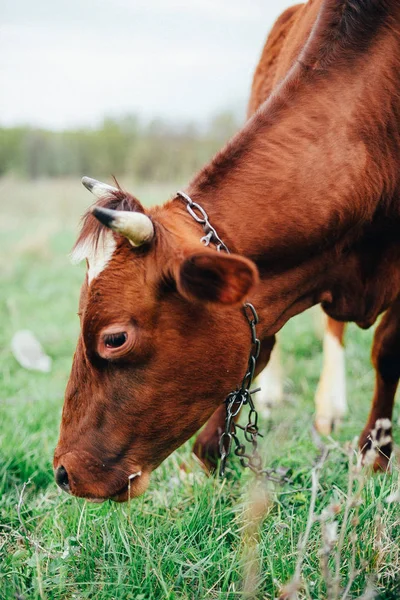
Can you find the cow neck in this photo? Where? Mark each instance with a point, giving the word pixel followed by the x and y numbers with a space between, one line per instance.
pixel 292 189
pixel 242 395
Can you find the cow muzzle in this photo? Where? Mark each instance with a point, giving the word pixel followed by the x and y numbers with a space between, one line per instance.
pixel 82 475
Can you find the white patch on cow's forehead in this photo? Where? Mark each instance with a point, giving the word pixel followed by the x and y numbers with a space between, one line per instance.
pixel 98 256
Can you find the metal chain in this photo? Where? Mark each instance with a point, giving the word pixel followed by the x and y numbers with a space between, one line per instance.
pixel 243 395
pixel 199 214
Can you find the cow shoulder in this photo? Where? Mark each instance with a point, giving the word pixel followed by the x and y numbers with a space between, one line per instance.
pixel 346 29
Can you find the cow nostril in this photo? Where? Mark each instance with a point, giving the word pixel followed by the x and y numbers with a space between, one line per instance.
pixel 61 476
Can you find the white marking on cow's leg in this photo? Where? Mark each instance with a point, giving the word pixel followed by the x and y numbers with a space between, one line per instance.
pixel 271 382
pixel 330 398
pixel 98 256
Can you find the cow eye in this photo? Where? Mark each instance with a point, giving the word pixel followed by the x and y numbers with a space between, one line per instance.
pixel 115 340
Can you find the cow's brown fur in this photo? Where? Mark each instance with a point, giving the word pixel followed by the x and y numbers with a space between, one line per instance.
pixel 309 191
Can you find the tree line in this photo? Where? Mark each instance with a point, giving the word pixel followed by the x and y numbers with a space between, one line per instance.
pixel 154 151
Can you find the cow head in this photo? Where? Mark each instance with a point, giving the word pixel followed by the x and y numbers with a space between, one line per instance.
pixel 162 342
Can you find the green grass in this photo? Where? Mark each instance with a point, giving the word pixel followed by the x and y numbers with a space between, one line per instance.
pixel 186 538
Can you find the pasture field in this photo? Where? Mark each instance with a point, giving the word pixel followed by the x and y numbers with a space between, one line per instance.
pixel 189 537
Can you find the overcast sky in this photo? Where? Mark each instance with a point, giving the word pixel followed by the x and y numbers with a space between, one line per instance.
pixel 66 63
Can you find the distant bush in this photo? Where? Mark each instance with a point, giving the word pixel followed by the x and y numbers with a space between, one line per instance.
pixel 156 151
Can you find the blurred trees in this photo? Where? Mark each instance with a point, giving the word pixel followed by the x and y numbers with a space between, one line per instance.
pixel 155 151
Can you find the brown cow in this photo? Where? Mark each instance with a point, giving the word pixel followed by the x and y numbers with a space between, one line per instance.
pixel 304 195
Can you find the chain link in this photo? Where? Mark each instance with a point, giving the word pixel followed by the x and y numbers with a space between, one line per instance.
pixel 211 236
pixel 243 395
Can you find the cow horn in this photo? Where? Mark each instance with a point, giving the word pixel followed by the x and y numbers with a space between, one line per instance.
pixel 135 226
pixel 98 188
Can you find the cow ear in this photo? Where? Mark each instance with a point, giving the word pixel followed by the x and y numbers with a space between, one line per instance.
pixel 215 277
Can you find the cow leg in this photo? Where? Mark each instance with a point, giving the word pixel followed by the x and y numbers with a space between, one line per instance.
pixel 330 398
pixel 270 381
pixel 386 360
pixel 206 445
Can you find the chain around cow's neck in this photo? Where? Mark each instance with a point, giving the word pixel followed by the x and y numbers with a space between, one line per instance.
pixel 242 396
